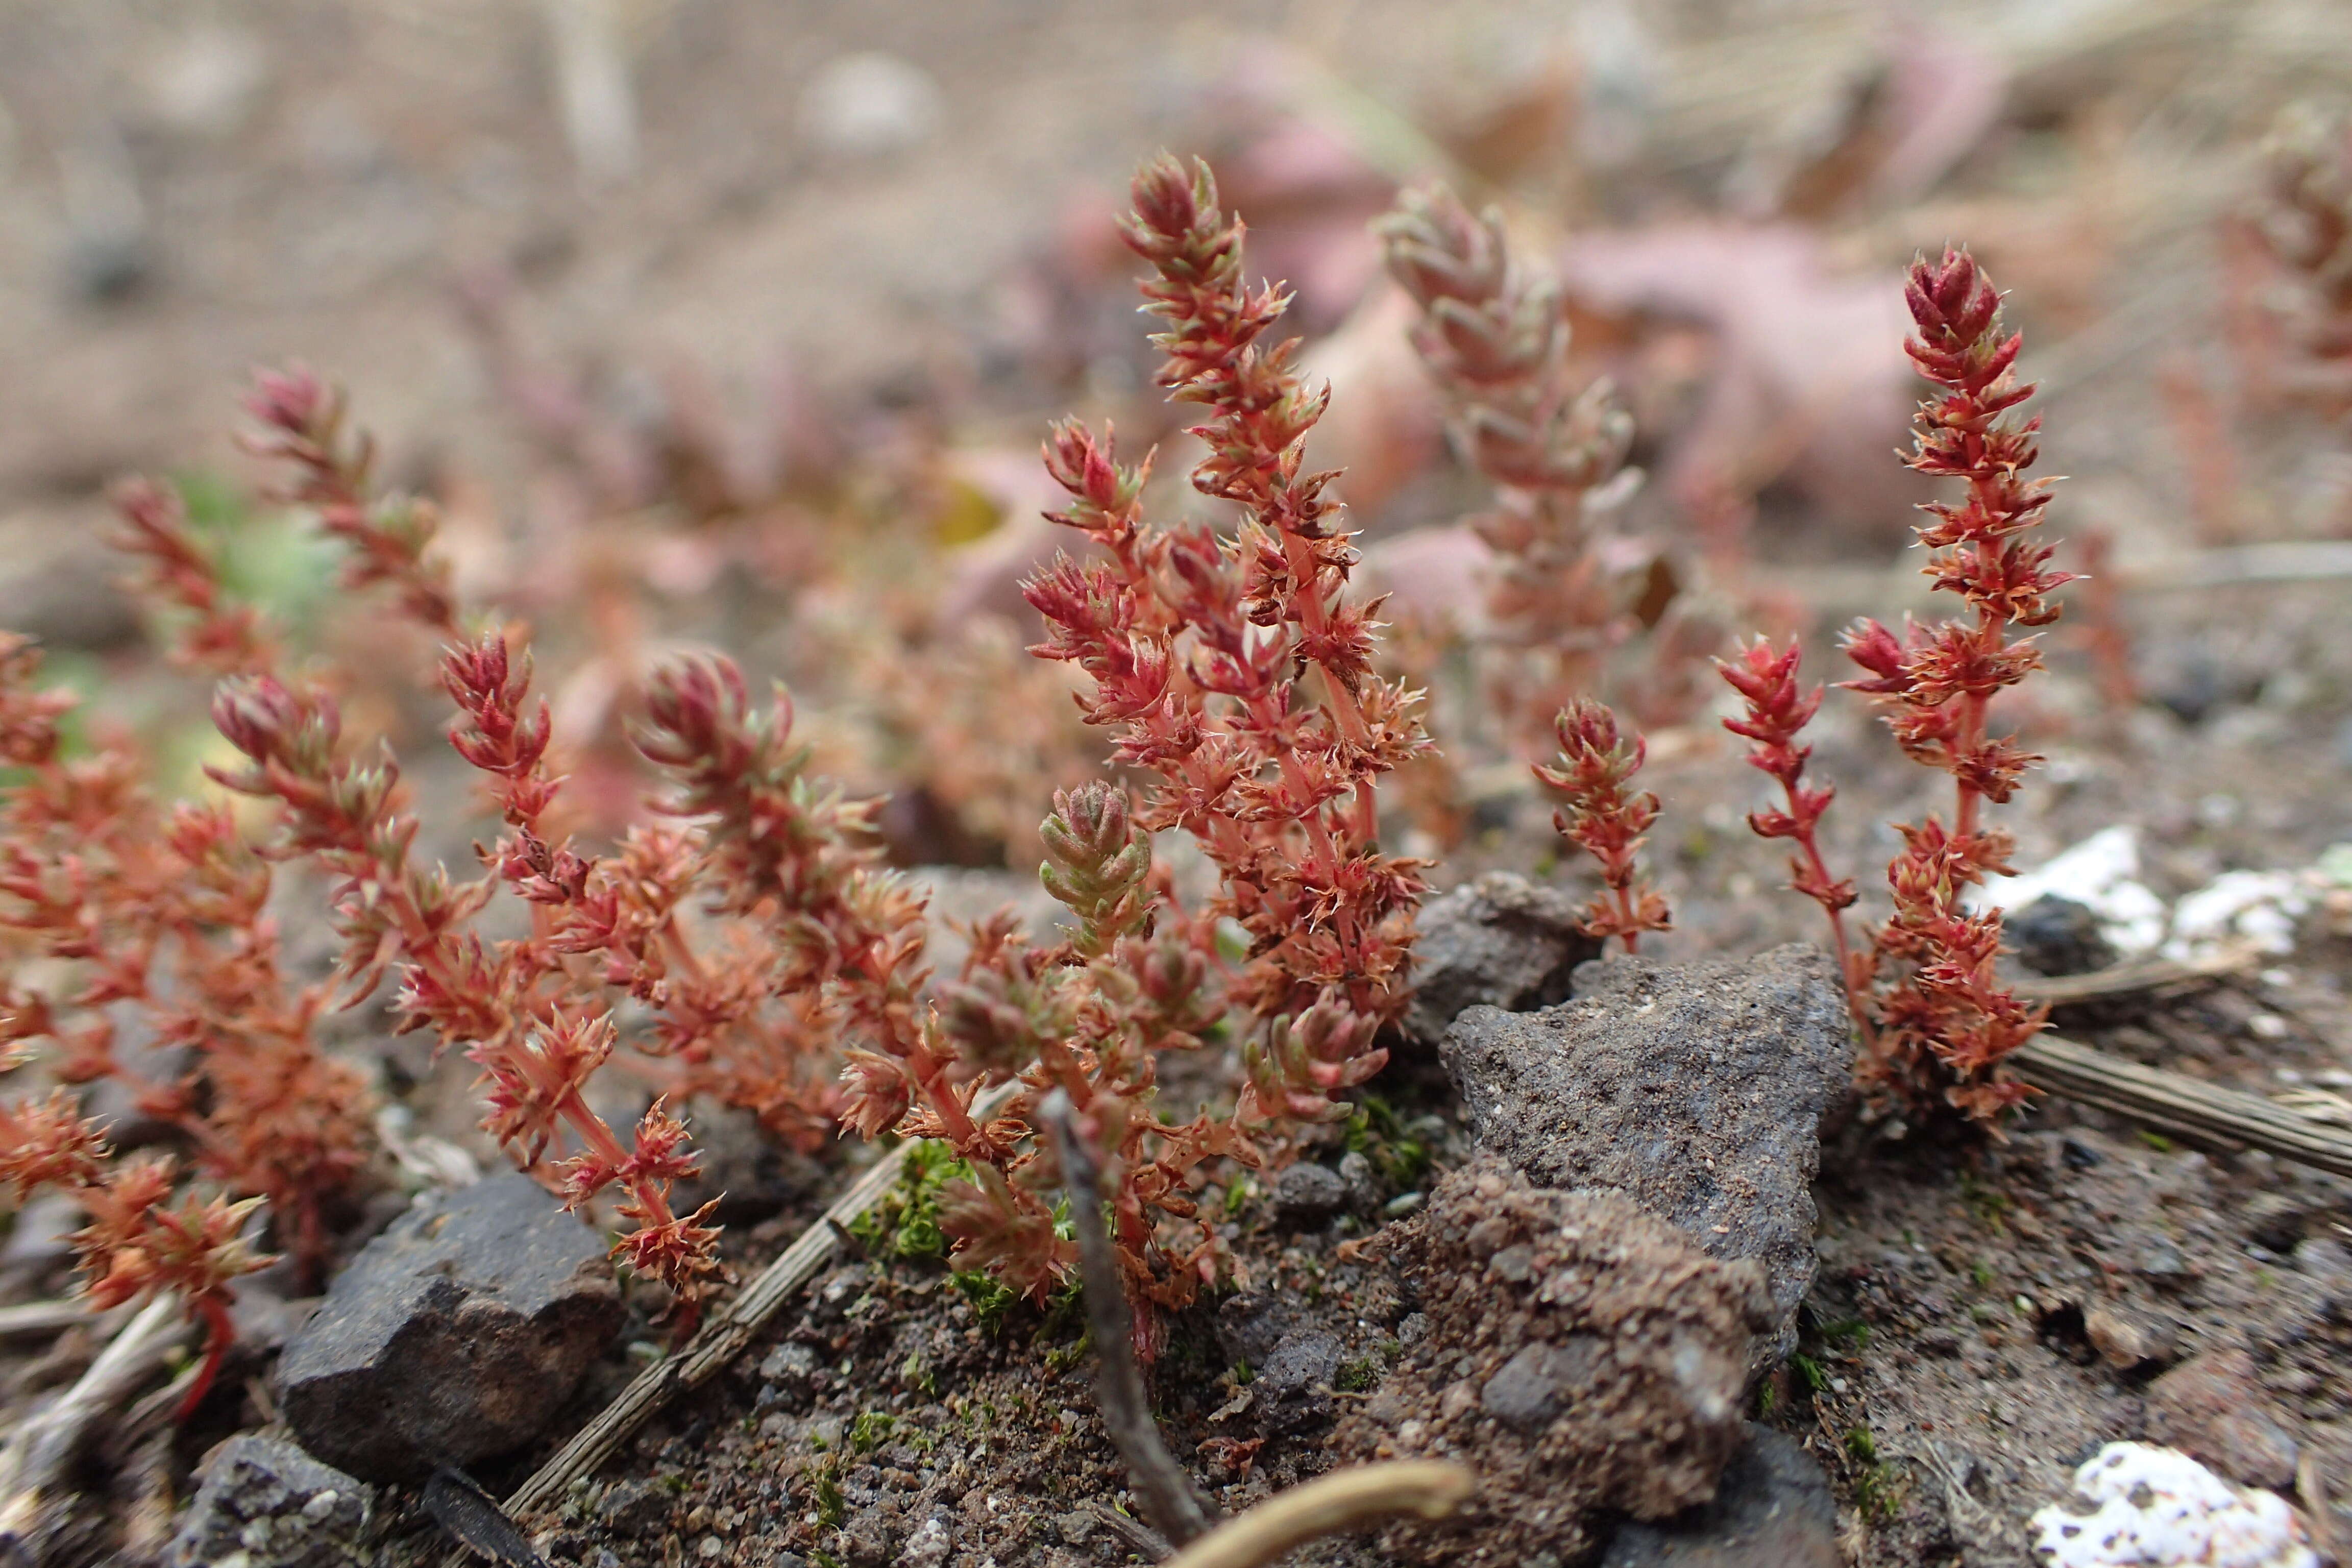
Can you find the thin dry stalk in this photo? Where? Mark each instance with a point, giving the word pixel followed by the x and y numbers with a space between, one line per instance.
pixel 1171 1499
pixel 2134 975
pixel 1343 1500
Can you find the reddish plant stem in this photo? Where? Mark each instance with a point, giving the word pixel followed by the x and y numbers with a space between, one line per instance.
pixel 220 1335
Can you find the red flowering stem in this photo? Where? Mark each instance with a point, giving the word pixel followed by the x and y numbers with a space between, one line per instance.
pixel 804 859
pixel 2103 629
pixel 1494 339
pixel 348 816
pixel 220 1337
pixel 1936 685
pixel 1779 709
pixel 92 872
pixel 1237 669
pixel 136 1241
pixel 302 424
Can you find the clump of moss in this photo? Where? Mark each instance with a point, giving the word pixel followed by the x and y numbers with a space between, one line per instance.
pixel 1376 1132
pixel 905 1224
pixel 1877 1485
pixel 870 1431
pixel 991 1298
pixel 825 1490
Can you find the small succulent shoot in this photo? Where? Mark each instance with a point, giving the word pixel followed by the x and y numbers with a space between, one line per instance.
pixel 1606 818
pixel 1097 861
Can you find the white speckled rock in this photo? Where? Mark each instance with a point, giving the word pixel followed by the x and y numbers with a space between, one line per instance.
pixel 2190 1517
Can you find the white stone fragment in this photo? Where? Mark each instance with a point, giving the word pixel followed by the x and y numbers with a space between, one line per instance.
pixel 2157 1508
pixel 2100 873
pixel 2260 908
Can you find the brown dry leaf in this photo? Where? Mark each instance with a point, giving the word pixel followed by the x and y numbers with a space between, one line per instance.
pixel 1809 382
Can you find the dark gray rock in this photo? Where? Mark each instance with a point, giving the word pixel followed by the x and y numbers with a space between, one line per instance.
pixel 457 1334
pixel 2130 1338
pixel 870 1538
pixel 267 1504
pixel 749 1170
pixel 1540 1381
pixel 2058 936
pixel 633 1506
pixel 1498 942
pixel 1772 1509
pixel 1697 1090
pixel 1307 1194
pixel 930 1545
pixel 1294 1387
pixel 2325 1260
pixel 1250 1323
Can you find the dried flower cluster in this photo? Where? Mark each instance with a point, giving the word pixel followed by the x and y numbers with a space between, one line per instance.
pixel 1606 818
pixel 1936 1020
pixel 1496 341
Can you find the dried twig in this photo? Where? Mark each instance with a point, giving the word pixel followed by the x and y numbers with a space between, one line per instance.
pixel 41 1450
pixel 1169 1496
pixel 1344 1499
pixel 2188 1106
pixel 2133 975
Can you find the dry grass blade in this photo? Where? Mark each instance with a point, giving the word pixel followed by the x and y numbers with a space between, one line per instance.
pixel 41 1317
pixel 1345 1500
